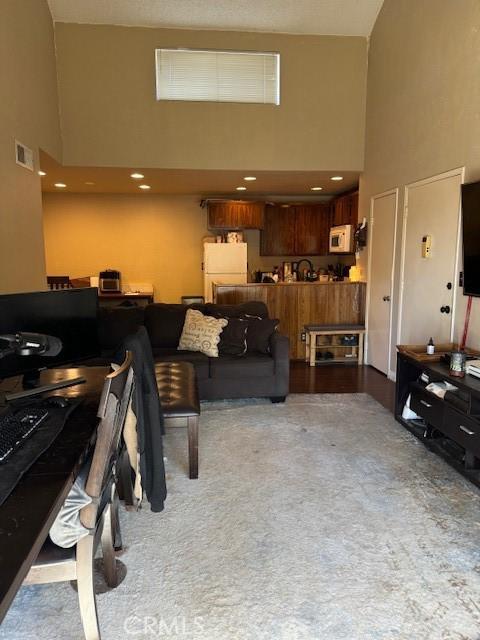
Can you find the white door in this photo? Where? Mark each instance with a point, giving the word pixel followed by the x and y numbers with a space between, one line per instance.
pixel 428 284
pixel 383 222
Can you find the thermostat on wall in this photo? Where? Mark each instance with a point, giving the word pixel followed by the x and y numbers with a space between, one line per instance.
pixel 23 155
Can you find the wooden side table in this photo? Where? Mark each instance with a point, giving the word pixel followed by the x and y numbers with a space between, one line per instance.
pixel 332 342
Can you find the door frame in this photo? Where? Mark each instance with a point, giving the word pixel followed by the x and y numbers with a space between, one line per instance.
pixel 459 171
pixel 390 192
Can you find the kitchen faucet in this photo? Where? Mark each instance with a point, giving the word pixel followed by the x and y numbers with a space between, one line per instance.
pixel 299 273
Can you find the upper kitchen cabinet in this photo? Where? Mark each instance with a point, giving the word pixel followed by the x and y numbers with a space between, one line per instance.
pixel 296 230
pixel 235 215
pixel 345 209
pixel 312 226
pixel 278 235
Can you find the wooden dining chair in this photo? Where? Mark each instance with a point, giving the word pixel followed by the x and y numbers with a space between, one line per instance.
pixel 100 517
pixel 59 282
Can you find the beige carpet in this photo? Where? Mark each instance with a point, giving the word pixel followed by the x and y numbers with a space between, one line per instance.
pixel 318 519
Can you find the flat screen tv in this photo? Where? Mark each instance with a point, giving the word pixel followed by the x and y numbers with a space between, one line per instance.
pixel 471 238
pixel 68 314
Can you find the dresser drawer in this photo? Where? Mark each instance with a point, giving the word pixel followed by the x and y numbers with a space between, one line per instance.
pixel 462 429
pixel 426 405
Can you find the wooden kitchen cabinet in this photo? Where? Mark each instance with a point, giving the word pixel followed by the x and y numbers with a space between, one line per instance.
pixel 296 230
pixel 341 210
pixel 354 209
pixel 345 209
pixel 278 235
pixel 235 215
pixel 312 226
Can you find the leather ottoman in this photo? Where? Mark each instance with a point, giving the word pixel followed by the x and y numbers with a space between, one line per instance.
pixel 178 391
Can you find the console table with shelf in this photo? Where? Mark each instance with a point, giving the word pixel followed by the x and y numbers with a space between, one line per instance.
pixel 450 426
pixel 327 339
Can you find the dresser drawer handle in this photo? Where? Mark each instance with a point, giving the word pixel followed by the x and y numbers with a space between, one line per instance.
pixel 425 404
pixel 469 432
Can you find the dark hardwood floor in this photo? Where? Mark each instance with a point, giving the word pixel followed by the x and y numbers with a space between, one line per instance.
pixel 342 379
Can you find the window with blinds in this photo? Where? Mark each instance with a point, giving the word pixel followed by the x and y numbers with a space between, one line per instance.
pixel 218 76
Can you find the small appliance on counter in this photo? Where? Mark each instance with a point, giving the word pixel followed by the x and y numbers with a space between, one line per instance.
pixel 109 281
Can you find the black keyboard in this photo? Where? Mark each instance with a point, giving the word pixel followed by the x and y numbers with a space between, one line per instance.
pixel 16 427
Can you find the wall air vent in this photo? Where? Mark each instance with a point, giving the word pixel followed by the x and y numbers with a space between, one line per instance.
pixel 23 155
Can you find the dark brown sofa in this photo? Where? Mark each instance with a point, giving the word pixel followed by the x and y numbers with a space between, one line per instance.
pixel 251 375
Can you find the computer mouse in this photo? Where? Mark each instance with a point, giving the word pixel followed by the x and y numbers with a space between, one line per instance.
pixel 56 401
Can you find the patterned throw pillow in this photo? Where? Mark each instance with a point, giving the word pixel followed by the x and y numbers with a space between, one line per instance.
pixel 201 333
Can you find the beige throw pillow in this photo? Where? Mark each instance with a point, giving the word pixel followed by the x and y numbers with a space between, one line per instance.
pixel 201 333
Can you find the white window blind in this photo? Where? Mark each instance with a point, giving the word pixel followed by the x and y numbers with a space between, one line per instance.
pixel 218 76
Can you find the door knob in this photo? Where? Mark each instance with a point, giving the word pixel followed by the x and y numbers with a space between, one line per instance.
pixel 445 309
pixel 386 298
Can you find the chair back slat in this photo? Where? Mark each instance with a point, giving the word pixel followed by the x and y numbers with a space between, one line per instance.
pixel 116 394
pixel 59 282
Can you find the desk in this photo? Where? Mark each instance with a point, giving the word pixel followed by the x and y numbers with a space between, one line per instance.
pixel 110 299
pixel 28 513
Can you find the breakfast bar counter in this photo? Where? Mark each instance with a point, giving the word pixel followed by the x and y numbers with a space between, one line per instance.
pixel 297 304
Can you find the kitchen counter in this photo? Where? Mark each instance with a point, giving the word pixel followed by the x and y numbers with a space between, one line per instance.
pixel 296 304
pixel 289 284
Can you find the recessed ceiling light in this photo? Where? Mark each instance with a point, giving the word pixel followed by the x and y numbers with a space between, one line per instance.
pixel 137 176
pixel 335 178
pixel 144 186
pixel 249 178
pixel 241 188
pixel 60 185
pixel 89 183
pixel 316 188
pixel 42 173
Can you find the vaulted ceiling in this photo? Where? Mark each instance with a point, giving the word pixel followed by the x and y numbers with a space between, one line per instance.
pixel 316 17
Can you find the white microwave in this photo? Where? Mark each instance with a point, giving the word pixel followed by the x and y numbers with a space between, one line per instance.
pixel 341 239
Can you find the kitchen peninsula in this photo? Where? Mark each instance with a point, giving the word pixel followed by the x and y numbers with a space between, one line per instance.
pixel 296 304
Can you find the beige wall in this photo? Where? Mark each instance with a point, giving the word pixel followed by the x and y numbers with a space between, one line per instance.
pixel 423 104
pixel 156 239
pixel 28 112
pixel 110 116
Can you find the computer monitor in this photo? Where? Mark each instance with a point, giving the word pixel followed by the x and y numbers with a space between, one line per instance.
pixel 68 314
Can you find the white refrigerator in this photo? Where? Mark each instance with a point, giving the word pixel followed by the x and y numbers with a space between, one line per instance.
pixel 223 263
